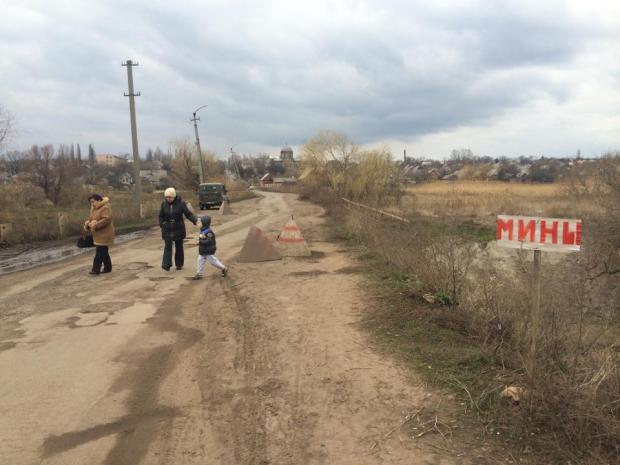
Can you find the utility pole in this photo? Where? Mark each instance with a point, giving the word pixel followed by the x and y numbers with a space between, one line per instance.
pixel 202 166
pixel 234 160
pixel 134 134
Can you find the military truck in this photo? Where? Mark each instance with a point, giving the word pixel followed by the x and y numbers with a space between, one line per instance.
pixel 211 194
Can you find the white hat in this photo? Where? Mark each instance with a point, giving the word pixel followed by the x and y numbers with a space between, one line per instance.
pixel 170 192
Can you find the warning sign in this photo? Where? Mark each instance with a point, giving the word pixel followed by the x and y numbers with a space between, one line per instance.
pixel 532 233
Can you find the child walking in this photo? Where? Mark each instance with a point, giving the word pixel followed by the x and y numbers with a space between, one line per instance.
pixel 206 249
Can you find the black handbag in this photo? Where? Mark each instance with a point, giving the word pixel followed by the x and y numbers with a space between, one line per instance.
pixel 84 242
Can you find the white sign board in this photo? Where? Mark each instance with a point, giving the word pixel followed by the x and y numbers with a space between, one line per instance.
pixel 532 233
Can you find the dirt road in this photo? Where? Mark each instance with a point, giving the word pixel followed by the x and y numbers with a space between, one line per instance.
pixel 141 366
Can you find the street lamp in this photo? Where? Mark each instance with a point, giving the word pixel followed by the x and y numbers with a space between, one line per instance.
pixel 202 166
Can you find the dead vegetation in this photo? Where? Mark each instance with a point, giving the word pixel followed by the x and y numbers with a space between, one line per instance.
pixel 481 201
pixel 32 217
pixel 475 334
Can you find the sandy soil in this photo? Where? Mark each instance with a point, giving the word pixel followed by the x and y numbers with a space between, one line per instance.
pixel 141 366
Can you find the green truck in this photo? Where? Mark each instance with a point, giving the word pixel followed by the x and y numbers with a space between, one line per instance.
pixel 211 194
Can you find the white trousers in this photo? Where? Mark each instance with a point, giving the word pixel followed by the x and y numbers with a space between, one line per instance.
pixel 212 259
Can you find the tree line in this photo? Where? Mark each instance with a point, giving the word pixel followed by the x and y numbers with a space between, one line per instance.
pixel 63 172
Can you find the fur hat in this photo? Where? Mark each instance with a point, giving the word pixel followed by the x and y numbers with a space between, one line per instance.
pixel 170 192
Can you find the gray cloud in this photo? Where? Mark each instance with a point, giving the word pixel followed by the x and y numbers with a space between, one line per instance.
pixel 280 71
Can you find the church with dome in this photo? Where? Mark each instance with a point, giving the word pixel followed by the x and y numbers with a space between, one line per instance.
pixel 286 154
pixel 288 160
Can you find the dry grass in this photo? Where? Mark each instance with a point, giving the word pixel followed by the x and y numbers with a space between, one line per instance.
pixel 572 413
pixel 486 309
pixel 481 201
pixel 33 219
pixel 478 188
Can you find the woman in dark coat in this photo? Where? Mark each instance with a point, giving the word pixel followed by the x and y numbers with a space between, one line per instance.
pixel 171 213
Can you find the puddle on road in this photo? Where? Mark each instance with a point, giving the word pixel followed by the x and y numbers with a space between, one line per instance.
pixel 43 256
pixel 86 321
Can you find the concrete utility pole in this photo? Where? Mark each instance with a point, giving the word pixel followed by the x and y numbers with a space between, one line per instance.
pixel 134 133
pixel 202 166
pixel 234 160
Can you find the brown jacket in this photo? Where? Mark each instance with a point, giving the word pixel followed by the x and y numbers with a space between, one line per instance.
pixel 103 230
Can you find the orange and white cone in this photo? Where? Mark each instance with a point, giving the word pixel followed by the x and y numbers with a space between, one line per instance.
pixel 291 243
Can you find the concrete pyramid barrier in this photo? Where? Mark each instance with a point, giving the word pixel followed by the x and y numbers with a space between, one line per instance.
pixel 258 248
pixel 291 242
pixel 225 208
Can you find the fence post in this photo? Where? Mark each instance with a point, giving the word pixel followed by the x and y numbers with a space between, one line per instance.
pixel 62 224
pixel 535 315
pixel 142 211
pixel 6 230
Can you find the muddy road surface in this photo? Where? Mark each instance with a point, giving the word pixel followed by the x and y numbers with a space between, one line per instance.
pixel 143 366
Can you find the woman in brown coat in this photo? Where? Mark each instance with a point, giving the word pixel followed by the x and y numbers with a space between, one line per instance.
pixel 100 225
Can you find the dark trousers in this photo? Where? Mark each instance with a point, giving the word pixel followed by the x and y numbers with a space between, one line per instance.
pixel 179 258
pixel 102 257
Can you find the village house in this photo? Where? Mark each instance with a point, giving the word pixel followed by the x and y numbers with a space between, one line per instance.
pixel 154 176
pixel 109 159
pixel 266 180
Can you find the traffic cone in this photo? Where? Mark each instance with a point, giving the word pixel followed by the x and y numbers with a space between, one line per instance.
pixel 291 243
pixel 257 248
pixel 225 208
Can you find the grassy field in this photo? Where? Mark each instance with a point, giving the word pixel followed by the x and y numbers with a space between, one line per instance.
pixel 481 201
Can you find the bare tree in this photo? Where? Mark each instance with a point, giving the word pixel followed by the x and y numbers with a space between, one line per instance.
pixel 61 171
pixel 15 162
pixel 328 156
pixel 50 171
pixel 184 164
pixel 41 163
pixel 6 125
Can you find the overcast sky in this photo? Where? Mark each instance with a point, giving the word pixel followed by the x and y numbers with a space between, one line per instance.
pixel 499 77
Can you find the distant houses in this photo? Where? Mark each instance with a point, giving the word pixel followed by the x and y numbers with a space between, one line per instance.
pixel 485 168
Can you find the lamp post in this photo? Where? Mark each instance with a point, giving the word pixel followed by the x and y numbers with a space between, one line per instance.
pixel 202 166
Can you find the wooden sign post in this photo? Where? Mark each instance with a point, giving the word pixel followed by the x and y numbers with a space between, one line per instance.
pixel 537 234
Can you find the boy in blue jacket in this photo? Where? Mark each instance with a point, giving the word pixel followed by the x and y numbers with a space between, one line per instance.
pixel 206 249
